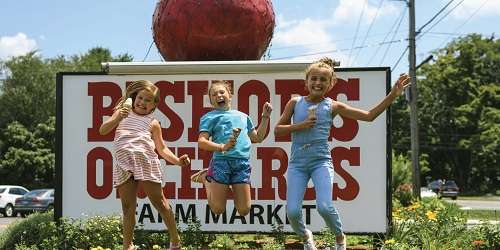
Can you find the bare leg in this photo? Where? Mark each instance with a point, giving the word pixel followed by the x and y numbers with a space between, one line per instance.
pixel 155 194
pixel 216 194
pixel 242 198
pixel 128 197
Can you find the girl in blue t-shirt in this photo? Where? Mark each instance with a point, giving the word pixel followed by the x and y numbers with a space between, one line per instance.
pixel 309 119
pixel 230 166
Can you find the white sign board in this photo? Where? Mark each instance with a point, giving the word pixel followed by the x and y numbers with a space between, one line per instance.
pixel 359 149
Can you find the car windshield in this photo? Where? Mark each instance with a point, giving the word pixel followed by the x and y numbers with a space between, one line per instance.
pixel 2 190
pixel 35 193
pixel 450 183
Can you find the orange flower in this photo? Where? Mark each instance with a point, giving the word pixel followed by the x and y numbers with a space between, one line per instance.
pixel 478 243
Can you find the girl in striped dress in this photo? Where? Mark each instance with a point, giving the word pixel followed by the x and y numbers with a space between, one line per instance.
pixel 137 136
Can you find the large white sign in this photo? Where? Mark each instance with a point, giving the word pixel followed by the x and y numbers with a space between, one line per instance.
pixel 359 149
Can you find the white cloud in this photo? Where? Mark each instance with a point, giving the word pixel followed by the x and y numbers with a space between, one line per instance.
pixel 311 36
pixel 349 11
pixel 17 45
pixel 490 8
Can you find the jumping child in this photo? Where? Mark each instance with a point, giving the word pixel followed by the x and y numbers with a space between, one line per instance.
pixel 137 136
pixel 309 120
pixel 230 166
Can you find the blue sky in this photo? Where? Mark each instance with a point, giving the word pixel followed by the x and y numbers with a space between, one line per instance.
pixel 304 29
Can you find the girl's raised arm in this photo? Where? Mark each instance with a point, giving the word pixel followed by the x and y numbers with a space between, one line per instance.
pixel 363 115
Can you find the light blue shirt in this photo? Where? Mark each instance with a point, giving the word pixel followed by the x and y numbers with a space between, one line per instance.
pixel 324 121
pixel 220 123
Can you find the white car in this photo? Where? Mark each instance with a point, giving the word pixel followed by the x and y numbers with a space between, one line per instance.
pixel 8 196
pixel 427 193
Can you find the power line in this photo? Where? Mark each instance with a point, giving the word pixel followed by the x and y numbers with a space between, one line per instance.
pixel 441 19
pixel 339 50
pixel 397 62
pixel 147 53
pixel 465 22
pixel 403 11
pixel 393 36
pixel 369 29
pixel 356 33
pixel 434 17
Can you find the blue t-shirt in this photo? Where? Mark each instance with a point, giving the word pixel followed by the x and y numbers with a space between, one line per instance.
pixel 220 123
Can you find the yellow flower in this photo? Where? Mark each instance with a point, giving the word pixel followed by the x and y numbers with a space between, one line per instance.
pixel 431 215
pixel 390 242
pixel 156 247
pixel 414 206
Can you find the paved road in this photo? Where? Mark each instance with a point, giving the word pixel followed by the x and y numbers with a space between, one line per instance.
pixel 476 204
pixel 5 221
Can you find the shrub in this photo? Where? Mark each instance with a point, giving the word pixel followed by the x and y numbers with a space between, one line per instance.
pixel 435 224
pixel 222 242
pixel 404 194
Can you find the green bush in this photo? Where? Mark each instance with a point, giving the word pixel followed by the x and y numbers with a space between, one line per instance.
pixel 435 224
pixel 404 194
pixel 223 242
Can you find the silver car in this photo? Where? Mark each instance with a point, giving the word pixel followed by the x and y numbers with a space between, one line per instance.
pixel 36 200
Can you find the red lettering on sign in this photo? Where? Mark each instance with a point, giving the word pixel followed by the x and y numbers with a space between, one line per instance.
pixel 352 155
pixel 267 155
pixel 350 127
pixel 176 90
pixel 94 190
pixel 249 88
pixel 197 89
pixel 286 88
pixel 98 90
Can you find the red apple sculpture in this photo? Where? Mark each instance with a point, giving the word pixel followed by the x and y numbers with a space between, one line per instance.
pixel 213 30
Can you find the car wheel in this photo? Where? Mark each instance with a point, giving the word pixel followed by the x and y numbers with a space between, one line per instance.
pixel 50 207
pixel 9 211
pixel 454 198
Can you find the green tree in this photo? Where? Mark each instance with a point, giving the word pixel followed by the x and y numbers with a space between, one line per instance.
pixel 27 123
pixel 29 159
pixel 458 113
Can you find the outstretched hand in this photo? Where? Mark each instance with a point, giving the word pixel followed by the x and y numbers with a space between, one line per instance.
pixel 184 160
pixel 402 83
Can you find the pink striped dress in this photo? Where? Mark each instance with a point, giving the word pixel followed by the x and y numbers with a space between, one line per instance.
pixel 135 151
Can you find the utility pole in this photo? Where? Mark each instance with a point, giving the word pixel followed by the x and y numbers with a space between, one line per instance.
pixel 413 101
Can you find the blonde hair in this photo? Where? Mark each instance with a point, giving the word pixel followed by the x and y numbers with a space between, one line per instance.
pixel 224 83
pixel 323 63
pixel 137 86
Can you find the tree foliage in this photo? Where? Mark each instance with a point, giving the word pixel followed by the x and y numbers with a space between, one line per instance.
pixel 458 114
pixel 27 123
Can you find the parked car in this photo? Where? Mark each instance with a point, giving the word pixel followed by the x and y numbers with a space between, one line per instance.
pixel 435 186
pixel 8 195
pixel 449 189
pixel 36 200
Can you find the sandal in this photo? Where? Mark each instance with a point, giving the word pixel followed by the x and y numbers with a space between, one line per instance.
pixel 197 176
pixel 174 246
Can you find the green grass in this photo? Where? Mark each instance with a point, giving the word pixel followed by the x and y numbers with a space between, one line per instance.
pixel 483 215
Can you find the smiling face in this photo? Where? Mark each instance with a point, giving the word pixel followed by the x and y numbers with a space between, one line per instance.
pixel 319 82
pixel 144 102
pixel 220 97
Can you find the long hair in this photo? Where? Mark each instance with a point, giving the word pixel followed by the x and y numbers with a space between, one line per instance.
pixel 136 87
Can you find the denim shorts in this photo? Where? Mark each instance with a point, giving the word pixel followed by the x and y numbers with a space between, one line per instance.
pixel 229 171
